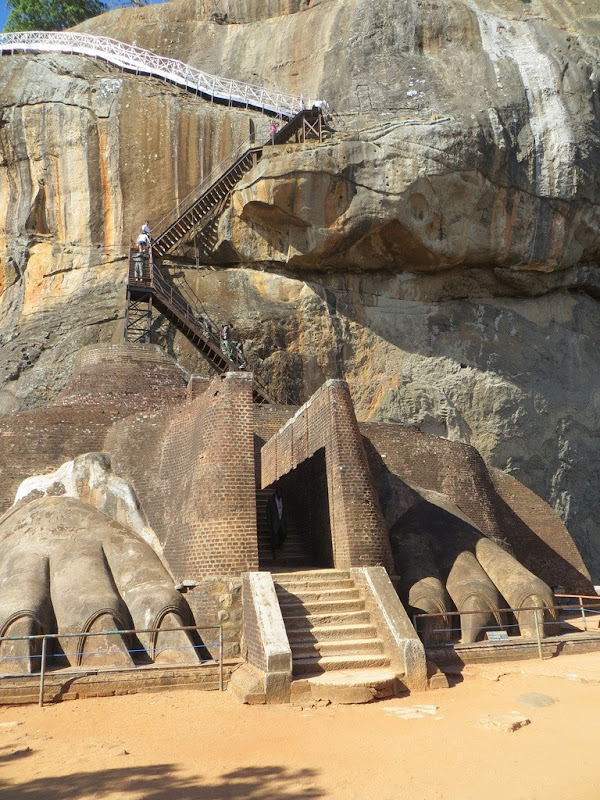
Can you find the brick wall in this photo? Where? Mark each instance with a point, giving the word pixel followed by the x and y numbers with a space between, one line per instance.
pixel 108 382
pixel 39 441
pixel 458 471
pixel 268 419
pixel 193 470
pixel 131 377
pixel 328 421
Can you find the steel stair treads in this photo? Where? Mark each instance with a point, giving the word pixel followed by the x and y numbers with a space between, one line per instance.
pixel 221 188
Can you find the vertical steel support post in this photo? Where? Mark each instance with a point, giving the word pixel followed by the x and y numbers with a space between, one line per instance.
pixel 221 657
pixel 585 627
pixel 149 329
pixel 537 633
pixel 126 329
pixel 42 672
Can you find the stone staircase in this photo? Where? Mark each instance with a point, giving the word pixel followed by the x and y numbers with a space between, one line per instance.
pixel 337 653
pixel 294 552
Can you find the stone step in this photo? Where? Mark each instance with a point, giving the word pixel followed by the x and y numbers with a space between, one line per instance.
pixel 313 595
pixel 316 664
pixel 265 536
pixel 296 609
pixel 312 575
pixel 346 686
pixel 303 585
pixel 290 540
pixel 336 647
pixel 310 621
pixel 337 632
pixel 284 551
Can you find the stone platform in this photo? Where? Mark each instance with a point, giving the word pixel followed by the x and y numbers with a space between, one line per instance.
pixel 453 656
pixel 67 685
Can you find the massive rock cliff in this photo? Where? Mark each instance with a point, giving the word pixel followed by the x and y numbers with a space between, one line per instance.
pixel 439 250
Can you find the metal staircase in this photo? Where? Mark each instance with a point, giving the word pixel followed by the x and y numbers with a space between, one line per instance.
pixel 200 210
pixel 153 291
pixel 211 197
pixel 197 214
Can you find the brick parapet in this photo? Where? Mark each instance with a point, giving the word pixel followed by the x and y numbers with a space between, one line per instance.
pixel 130 377
pixel 327 421
pixel 265 641
pixel 207 475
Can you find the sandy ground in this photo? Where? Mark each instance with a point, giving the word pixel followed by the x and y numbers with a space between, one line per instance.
pixel 190 745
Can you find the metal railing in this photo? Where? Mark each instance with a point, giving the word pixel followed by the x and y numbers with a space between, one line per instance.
pixel 188 313
pixel 45 637
pixel 499 612
pixel 136 59
pixel 187 203
pixel 255 143
pixel 580 608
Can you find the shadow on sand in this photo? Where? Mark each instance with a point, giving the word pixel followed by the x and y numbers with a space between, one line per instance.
pixel 161 782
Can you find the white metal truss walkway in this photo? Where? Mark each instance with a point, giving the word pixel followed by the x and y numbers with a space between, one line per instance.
pixel 137 60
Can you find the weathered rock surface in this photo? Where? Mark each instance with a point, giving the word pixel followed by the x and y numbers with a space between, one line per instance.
pixel 67 567
pixel 439 251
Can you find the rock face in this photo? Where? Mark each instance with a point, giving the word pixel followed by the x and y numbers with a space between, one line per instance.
pixel 438 251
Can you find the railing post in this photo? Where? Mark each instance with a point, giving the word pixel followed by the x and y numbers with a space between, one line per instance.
pixel 42 672
pixel 537 634
pixel 585 627
pixel 221 657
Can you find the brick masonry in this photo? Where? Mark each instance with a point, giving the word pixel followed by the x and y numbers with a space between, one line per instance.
pixel 501 507
pixel 109 382
pixel 193 452
pixel 327 421
pixel 193 470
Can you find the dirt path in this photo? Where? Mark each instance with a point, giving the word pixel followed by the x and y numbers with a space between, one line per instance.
pixel 188 745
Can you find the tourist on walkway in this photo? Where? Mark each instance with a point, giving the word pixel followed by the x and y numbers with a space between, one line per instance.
pixel 239 351
pixel 225 339
pixel 139 262
pixel 273 130
pixel 146 230
pixel 143 242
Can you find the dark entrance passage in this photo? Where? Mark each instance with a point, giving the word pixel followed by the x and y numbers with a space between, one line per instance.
pixel 308 531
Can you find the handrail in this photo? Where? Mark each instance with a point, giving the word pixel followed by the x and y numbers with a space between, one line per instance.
pixel 132 632
pixel 187 313
pixel 138 60
pixel 219 172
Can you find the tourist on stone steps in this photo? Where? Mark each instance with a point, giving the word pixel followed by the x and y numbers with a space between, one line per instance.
pixel 277 519
pixel 239 351
pixel 225 339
